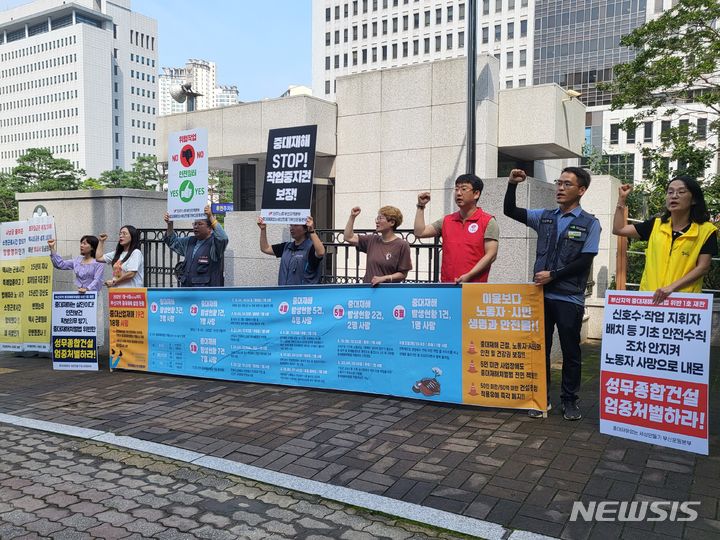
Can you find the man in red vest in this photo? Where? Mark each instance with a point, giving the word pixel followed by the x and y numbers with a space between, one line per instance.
pixel 469 236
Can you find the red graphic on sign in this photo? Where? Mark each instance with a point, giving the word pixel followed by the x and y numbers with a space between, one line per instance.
pixel 187 155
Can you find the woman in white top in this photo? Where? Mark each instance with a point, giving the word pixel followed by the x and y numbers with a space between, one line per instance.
pixel 127 259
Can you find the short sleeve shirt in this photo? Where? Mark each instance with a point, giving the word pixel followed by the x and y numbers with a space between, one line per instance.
pixel 492 231
pixel 134 263
pixel 384 258
pixel 710 247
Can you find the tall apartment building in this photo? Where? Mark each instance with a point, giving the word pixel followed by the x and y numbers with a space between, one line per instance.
pixel 78 78
pixel 202 74
pixel 574 43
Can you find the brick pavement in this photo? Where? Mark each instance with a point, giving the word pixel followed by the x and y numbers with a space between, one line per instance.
pixel 62 488
pixel 489 464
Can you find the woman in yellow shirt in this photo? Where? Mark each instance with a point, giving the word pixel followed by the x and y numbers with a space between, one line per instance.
pixel 681 242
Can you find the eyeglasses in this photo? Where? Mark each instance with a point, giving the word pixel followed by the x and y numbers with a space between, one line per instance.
pixel 679 192
pixel 380 218
pixel 463 189
pixel 564 184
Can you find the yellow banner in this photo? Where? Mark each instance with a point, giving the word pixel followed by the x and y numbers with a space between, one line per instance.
pixel 503 343
pixel 12 279
pixel 128 329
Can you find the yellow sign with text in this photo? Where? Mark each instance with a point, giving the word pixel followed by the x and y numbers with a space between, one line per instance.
pixel 128 329
pixel 503 343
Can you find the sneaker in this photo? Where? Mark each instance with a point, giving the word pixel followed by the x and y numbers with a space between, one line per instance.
pixel 536 413
pixel 571 411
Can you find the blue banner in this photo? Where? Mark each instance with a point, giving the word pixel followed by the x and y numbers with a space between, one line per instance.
pixel 400 340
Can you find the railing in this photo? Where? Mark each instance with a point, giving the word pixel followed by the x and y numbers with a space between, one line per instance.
pixel 342 262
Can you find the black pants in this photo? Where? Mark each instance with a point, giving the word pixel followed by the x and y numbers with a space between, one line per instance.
pixel 568 317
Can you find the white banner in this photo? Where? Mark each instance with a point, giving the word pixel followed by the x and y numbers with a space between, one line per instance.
pixel 654 369
pixel 188 174
pixel 74 331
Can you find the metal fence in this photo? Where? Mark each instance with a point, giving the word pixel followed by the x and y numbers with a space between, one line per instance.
pixel 342 262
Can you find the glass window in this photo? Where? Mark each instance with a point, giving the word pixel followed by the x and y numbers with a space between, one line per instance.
pixel 702 128
pixel 523 58
pixel 461 12
pixel 523 28
pixel 449 14
pixel 647 132
pixel 427 18
pixel 614 133
pixel 630 136
pixel 510 30
pixel 438 43
pixel 486 7
pixel 461 40
pixel 427 45
pixel 509 59
pixel 449 41
pixel 485 34
pixel 497 33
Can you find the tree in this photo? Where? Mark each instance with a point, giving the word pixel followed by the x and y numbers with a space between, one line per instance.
pixel 8 204
pixel 677 63
pixel 145 172
pixel 38 170
pixel 220 185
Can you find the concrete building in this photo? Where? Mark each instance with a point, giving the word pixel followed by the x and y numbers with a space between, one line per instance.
pixel 364 35
pixel 572 44
pixel 78 78
pixel 202 75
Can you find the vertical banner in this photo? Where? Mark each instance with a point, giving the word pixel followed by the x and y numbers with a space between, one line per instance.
pixel 38 285
pixel 654 369
pixel 290 161
pixel 13 242
pixel 74 331
pixel 188 174
pixel 128 329
pixel 503 344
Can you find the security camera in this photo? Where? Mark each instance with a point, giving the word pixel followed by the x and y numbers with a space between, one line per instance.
pixel 573 93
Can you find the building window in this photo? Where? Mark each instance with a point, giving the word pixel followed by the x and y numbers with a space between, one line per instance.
pixel 509 59
pixel 337 12
pixel 510 30
pixel 416 21
pixel 354 57
pixel 364 56
pixel 345 35
pixel 523 58
pixel 394 51
pixel 327 15
pixel 337 61
pixel 337 37
pixel 664 127
pixel 384 52
pixel 327 38
pixel 702 129
pixel 384 27
pixel 449 14
pixel 497 33
pixel 614 133
pixel 406 22
pixel 461 12
pixel 521 83
pixel 327 62
pixel 438 43
pixel 461 40
pixel 395 25
pixel 523 28
pixel 449 42
pixel 427 45
pixel 355 34
pixel 438 16
pixel 498 6
pixel 427 18
pixel 374 54
pixel 405 49
pixel 509 84
pixel 630 136
pixel 374 28
pixel 485 34
pixel 327 87
pixel 511 5
pixel 486 7
pixel 416 47
pixel 364 31
pixel 647 131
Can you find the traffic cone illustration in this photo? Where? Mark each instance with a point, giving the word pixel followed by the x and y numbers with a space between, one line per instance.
pixel 471 367
pixel 473 390
pixel 471 348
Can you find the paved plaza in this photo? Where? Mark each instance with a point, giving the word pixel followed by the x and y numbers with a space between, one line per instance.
pixel 487 467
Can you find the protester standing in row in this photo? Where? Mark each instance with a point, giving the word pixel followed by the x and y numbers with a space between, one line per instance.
pixel 469 236
pixel 388 255
pixel 203 253
pixel 681 243
pixel 88 271
pixel 568 240
pixel 126 260
pixel 301 258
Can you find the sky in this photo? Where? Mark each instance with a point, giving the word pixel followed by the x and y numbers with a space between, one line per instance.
pixel 261 46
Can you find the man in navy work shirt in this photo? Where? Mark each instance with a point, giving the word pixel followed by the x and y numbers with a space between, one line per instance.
pixel 204 252
pixel 568 240
pixel 300 259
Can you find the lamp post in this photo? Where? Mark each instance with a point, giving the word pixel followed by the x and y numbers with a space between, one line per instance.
pixel 471 81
